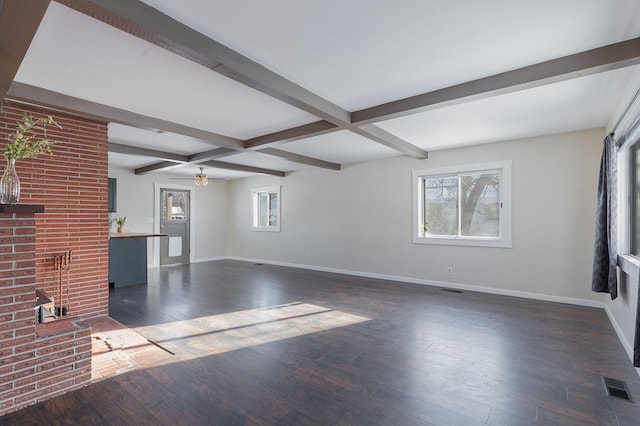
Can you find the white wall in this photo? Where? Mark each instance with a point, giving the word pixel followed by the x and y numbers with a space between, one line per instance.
pixel 359 219
pixel 136 201
pixel 622 311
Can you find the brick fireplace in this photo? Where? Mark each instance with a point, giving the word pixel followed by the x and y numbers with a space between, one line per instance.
pixel 63 207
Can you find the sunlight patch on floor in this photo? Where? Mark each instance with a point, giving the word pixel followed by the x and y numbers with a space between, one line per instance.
pixel 215 334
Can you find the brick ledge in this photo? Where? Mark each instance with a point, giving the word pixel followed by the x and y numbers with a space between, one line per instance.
pixel 54 328
pixel 21 208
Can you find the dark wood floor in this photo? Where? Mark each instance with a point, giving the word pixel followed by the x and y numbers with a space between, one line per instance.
pixel 328 349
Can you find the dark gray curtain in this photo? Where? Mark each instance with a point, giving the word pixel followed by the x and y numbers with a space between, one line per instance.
pixel 604 278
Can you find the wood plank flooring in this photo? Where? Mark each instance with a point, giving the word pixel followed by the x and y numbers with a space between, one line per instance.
pixel 269 345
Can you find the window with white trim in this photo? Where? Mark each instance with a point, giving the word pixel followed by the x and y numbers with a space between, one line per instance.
pixel 628 202
pixel 266 209
pixel 465 205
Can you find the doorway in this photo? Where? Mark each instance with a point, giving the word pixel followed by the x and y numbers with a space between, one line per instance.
pixel 175 221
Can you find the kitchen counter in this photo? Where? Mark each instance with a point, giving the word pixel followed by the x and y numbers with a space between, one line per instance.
pixel 133 235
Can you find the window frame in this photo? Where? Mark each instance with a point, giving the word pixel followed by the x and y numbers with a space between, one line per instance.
pixel 504 238
pixel 627 173
pixel 255 217
pixel 633 205
pixel 629 263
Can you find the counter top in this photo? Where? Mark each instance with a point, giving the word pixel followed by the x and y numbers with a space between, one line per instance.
pixel 133 235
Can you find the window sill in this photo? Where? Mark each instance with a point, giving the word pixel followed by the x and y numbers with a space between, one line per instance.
pixel 630 265
pixel 266 229
pixel 471 242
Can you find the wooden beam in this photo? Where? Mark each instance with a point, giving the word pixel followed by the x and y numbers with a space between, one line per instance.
pixel 241 167
pixel 289 135
pixel 211 155
pixel 302 159
pixel 158 167
pixel 145 152
pixel 205 157
pixel 19 22
pixel 147 23
pixel 613 56
pixel 143 21
pixel 390 140
pixel 25 93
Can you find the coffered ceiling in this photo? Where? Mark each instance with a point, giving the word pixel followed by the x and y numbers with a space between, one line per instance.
pixel 245 86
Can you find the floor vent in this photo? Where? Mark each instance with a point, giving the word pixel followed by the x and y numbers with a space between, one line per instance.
pixel 258 264
pixel 452 290
pixel 616 388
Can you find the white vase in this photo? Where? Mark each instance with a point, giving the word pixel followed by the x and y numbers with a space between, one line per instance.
pixel 10 184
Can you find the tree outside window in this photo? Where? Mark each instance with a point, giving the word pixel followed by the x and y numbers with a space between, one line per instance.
pixel 463 204
pixel 266 209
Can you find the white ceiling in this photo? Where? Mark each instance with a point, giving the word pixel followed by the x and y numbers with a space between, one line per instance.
pixel 354 53
pixel 582 103
pixel 359 53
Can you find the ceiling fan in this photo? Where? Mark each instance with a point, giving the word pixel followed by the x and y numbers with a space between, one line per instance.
pixel 199 179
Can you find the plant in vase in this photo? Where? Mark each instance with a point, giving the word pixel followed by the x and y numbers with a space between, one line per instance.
pixel 120 221
pixel 28 141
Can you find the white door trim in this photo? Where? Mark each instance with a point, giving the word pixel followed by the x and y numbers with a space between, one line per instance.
pixel 156 218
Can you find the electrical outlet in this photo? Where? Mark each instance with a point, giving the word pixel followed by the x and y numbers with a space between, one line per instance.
pixel 449 270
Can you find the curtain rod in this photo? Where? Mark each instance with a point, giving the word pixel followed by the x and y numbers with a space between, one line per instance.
pixel 632 130
pixel 626 110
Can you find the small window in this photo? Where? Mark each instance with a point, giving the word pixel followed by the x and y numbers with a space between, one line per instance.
pixel 467 205
pixel 174 205
pixel 266 209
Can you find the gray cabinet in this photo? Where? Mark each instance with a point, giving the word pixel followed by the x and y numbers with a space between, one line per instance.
pixel 127 261
pixel 113 195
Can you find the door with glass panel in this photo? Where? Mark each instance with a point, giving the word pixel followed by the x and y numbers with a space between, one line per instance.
pixel 175 222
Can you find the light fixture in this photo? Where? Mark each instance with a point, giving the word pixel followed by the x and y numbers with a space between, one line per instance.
pixel 201 179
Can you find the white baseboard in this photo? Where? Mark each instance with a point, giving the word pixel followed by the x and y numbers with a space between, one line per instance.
pixel 211 259
pixel 628 347
pixel 457 286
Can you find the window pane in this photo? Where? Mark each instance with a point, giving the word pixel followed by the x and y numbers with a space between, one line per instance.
pixel 273 209
pixel 441 209
pixel 174 205
pixel 263 208
pixel 480 205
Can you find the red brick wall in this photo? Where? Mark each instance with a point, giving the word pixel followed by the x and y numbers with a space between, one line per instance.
pixel 41 361
pixel 36 361
pixel 72 185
